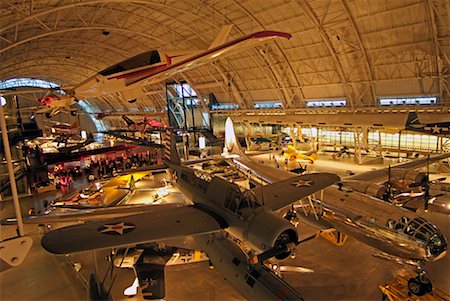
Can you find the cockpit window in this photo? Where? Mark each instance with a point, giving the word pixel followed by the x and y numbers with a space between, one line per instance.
pixel 404 220
pixel 412 227
pixel 237 199
pixel 399 227
pixel 391 223
pixel 140 60
pixel 233 199
pixel 244 203
pixel 154 57
pixel 417 227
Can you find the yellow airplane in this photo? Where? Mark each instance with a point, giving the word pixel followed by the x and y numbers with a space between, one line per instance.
pixel 291 153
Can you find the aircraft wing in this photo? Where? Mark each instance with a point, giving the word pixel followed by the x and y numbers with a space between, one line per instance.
pixel 132 229
pixel 223 50
pixel 440 203
pixel 123 180
pixel 88 215
pixel 381 175
pixel 286 192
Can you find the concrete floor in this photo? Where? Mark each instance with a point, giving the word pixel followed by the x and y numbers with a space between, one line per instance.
pixel 350 272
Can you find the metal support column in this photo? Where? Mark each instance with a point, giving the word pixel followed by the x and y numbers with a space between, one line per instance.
pixel 12 179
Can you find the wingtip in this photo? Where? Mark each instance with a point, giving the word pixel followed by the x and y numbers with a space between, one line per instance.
pixel 47 242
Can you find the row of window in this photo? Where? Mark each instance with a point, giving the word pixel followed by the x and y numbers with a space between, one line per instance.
pixel 336 103
pixel 388 140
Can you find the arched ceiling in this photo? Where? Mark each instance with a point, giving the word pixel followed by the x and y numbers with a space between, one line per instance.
pixel 357 49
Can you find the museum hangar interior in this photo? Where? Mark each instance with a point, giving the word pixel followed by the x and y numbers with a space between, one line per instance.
pixel 314 139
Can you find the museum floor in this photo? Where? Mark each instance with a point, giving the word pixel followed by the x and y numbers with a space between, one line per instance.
pixel 349 272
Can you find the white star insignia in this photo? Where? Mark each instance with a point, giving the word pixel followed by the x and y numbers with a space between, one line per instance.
pixel 300 183
pixel 116 228
pixel 436 129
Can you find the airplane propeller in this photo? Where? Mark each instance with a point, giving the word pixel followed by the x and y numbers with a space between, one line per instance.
pixel 425 186
pixel 281 247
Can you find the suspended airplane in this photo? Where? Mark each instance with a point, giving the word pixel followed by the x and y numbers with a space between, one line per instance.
pixel 437 128
pixel 70 147
pixel 129 76
pixel 132 138
pixel 53 104
pixel 100 116
pixel 355 208
pixel 62 128
pixel 221 214
pixel 147 125
pixel 54 100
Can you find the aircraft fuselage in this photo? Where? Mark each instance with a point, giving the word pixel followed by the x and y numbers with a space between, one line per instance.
pixel 384 226
pixel 246 219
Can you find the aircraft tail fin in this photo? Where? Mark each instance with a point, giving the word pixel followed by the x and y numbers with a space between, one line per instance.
pixel 128 120
pixel 221 37
pixel 170 149
pixel 232 146
pixel 412 119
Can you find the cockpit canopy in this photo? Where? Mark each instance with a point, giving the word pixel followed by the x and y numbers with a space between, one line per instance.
pixel 238 198
pixel 140 60
pixel 418 227
pixel 423 231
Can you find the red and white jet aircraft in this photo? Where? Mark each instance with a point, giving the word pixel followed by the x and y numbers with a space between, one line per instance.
pixel 129 76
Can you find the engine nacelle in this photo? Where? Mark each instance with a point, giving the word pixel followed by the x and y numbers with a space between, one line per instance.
pixel 407 177
pixel 268 230
pixel 372 189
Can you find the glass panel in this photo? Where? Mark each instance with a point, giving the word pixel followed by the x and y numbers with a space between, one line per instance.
pixel 391 224
pixel 140 60
pixel 399 227
pixel 412 227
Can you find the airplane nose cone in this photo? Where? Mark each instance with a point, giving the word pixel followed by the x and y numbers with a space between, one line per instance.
pixel 437 247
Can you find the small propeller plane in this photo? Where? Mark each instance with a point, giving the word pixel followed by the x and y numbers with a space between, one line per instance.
pixel 355 207
pixel 129 76
pixel 437 128
pixel 53 104
pixel 291 153
pixel 146 125
pixel 220 214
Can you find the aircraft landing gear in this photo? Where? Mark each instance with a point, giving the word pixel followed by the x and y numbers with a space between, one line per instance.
pixel 420 285
pixel 291 216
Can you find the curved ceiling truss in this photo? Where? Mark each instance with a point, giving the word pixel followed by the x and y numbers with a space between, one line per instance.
pixel 354 49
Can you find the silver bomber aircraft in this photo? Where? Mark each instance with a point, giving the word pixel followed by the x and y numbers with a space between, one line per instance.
pixel 355 207
pixel 221 218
